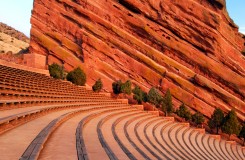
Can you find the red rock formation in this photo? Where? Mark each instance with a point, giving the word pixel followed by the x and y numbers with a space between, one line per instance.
pixel 191 46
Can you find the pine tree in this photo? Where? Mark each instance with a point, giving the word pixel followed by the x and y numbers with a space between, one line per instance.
pixel 216 119
pixel 167 105
pixel 126 87
pixel 116 87
pixel 139 95
pixel 231 124
pixel 197 118
pixel 183 112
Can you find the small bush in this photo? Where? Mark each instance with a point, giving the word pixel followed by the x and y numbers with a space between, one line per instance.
pixel 77 76
pixel 197 118
pixel 116 87
pixel 126 87
pixel 231 124
pixel 167 105
pixel 55 71
pixel 119 87
pixel 97 86
pixel 183 112
pixel 154 96
pixel 139 95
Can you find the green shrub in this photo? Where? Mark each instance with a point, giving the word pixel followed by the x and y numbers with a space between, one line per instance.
pixel 119 87
pixel 167 105
pixel 56 71
pixel 126 87
pixel 184 112
pixel 231 124
pixel 216 120
pixel 97 86
pixel 116 87
pixel 197 118
pixel 139 95
pixel 154 97
pixel 77 76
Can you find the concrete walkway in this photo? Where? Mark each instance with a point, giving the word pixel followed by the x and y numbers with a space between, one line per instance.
pixel 14 142
pixel 62 143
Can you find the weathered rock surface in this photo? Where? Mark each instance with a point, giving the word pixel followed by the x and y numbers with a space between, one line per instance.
pixel 191 46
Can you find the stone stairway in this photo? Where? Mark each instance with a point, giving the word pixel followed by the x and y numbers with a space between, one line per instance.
pixel 44 118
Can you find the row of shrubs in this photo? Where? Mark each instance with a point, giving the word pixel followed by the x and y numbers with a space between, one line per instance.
pixel 165 103
pixel 185 113
pixel 153 96
pixel 228 124
pixel 76 76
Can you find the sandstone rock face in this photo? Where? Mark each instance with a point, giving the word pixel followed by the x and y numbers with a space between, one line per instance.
pixel 191 46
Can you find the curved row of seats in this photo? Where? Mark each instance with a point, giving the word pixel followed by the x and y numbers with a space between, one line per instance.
pixel 44 118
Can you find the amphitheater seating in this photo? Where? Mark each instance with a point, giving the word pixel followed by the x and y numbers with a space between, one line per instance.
pixel 45 118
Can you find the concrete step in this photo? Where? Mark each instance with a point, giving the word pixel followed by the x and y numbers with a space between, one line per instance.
pixel 173 141
pixel 121 137
pixel 13 143
pixel 222 145
pixel 207 146
pixel 139 131
pixel 158 138
pixel 129 129
pixel 56 148
pixel 104 130
pixel 148 133
pixel 87 137
pixel 187 136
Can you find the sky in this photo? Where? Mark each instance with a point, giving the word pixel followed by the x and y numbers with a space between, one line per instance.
pixel 236 10
pixel 17 13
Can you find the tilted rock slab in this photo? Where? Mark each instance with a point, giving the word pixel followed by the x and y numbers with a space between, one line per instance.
pixel 191 46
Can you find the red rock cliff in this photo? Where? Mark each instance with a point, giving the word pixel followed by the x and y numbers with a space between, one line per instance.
pixel 191 46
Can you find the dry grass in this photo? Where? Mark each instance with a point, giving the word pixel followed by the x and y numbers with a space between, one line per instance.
pixel 8 43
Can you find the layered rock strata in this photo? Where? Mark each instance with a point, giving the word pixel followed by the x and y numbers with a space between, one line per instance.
pixel 191 46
